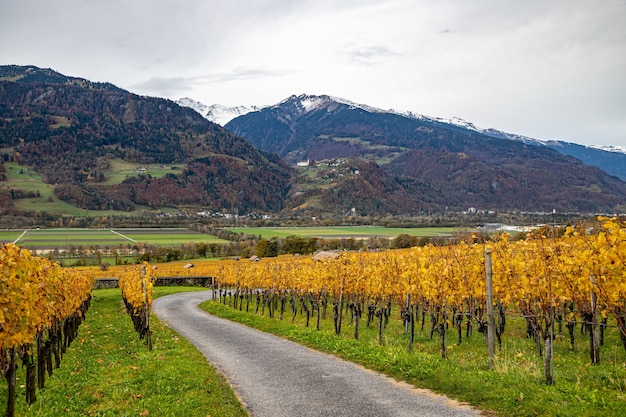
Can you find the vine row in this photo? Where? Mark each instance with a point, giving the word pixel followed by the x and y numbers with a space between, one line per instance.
pixel 578 278
pixel 41 307
pixel 136 284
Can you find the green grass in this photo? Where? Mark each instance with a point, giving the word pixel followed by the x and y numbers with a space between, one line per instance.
pixel 120 170
pixel 108 371
pixel 515 387
pixel 26 179
pixel 357 232
pixel 169 237
pixel 63 238
pixel 365 143
pixel 9 235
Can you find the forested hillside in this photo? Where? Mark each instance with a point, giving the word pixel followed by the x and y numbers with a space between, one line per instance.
pixel 94 146
pixel 71 131
pixel 452 167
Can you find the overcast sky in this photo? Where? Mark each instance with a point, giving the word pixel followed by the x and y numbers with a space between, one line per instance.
pixel 548 69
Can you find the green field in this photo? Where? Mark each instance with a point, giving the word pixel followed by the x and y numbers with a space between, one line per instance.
pixel 48 239
pixel 169 237
pixel 62 239
pixel 360 232
pixel 28 180
pixel 9 235
pixel 120 170
pixel 23 178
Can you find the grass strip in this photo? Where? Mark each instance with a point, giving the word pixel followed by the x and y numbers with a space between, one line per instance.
pixel 514 388
pixel 108 371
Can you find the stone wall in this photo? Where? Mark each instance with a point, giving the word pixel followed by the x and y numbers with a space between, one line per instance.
pixel 161 282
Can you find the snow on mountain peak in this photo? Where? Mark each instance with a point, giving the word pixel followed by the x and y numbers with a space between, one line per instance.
pixel 609 148
pixel 222 115
pixel 457 121
pixel 217 113
pixel 311 102
pixel 305 102
pixel 193 104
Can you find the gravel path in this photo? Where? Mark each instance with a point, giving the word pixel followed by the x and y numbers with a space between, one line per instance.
pixel 278 378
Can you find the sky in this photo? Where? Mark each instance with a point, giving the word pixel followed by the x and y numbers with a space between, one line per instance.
pixel 547 69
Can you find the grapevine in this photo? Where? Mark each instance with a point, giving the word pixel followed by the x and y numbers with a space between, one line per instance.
pixel 579 277
pixel 41 307
pixel 136 285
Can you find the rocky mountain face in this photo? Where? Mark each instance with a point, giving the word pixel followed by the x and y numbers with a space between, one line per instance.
pixel 217 113
pixel 455 167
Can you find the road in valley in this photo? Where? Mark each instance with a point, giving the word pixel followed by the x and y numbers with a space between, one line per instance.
pixel 274 377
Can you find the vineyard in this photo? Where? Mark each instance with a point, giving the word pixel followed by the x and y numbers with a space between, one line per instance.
pixel 568 286
pixel 578 279
pixel 41 307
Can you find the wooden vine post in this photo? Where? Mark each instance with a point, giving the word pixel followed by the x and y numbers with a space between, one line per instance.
pixel 490 316
pixel 146 309
pixel 594 342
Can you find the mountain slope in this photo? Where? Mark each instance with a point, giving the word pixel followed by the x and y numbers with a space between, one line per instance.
pixel 469 167
pixel 72 131
pixel 610 160
pixel 344 186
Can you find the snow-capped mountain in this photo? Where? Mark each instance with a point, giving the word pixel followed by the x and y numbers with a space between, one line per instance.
pixel 418 159
pixel 612 159
pixel 217 113
pixel 610 148
pixel 458 122
pixel 221 114
pixel 309 103
pixel 193 104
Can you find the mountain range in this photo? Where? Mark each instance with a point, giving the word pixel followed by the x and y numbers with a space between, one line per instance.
pixel 81 137
pixel 438 164
pixel 609 158
pixel 99 147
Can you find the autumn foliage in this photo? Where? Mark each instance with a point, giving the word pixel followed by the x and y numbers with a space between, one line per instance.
pixel 136 284
pixel 579 277
pixel 41 306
